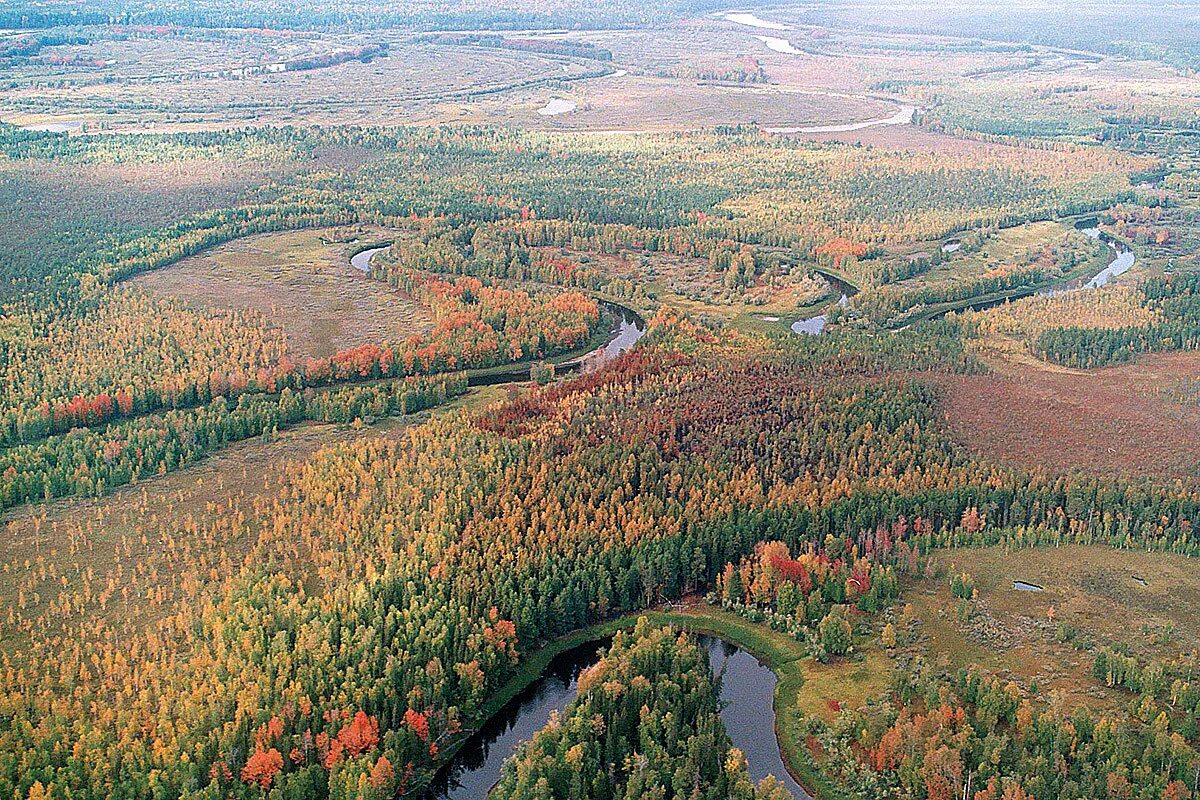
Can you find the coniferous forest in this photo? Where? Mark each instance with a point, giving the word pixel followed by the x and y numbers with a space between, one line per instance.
pixel 599 401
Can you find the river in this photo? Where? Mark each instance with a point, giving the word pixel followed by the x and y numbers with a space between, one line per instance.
pixel 361 261
pixel 628 328
pixel 744 18
pixel 903 116
pixel 815 326
pixel 747 699
pixel 780 45
pixel 1122 261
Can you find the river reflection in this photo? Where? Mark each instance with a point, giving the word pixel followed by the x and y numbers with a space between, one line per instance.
pixel 747 700
pixel 475 769
pixel 748 710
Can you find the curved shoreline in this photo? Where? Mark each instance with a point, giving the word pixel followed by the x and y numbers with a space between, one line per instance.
pixel 628 328
pixel 815 325
pixel 536 666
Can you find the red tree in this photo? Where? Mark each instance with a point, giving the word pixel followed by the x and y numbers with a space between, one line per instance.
pixel 262 767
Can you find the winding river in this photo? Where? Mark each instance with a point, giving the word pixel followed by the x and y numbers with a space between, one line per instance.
pixel 815 326
pixel 628 327
pixel 747 686
pixel 1122 261
pixel 747 705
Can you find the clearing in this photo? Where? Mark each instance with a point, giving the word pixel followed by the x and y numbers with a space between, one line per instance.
pixel 304 282
pixel 1099 595
pixel 1112 420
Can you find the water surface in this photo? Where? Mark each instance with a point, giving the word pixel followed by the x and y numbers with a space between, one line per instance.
pixel 557 106
pixel 748 710
pixel 362 261
pixel 744 18
pixel 779 45
pixel 747 699
pixel 904 116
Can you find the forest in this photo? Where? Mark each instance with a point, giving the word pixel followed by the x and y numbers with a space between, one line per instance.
pixel 901 410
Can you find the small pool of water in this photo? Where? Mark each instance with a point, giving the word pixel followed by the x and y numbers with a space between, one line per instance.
pixel 557 106
pixel 1025 586
pixel 362 261
pixel 779 45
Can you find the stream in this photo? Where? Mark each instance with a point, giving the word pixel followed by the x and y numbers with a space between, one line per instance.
pixel 747 705
pixel 815 326
pixel 628 328
pixel 1122 261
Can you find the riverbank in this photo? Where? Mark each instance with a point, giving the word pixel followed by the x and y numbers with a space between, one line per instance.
pixel 803 686
pixel 1070 282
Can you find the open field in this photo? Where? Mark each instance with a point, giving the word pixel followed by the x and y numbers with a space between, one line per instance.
pixel 1105 421
pixel 304 282
pixel 56 211
pixel 632 102
pixel 697 72
pixel 1097 590
pixel 205 87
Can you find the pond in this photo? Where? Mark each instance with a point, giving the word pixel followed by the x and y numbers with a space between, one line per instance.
pixel 1025 586
pixel 557 106
pixel 747 708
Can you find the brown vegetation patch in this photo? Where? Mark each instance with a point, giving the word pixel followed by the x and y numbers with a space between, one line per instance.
pixel 303 281
pixel 1113 420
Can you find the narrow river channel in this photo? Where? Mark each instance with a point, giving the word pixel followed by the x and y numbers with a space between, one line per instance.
pixel 628 328
pixel 1123 259
pixel 747 708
